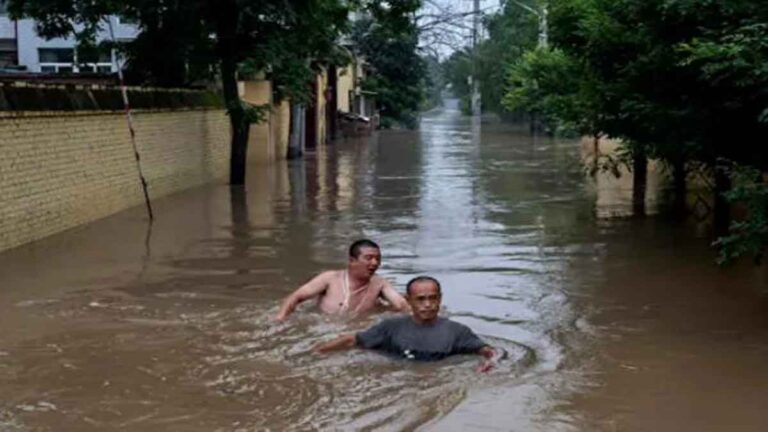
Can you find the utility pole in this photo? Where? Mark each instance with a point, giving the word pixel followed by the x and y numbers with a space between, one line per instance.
pixel 543 26
pixel 129 118
pixel 475 60
pixel 541 14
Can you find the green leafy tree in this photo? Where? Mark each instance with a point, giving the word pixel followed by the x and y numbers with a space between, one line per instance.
pixel 388 41
pixel 457 69
pixel 747 236
pixel 511 32
pixel 434 81
pixel 677 80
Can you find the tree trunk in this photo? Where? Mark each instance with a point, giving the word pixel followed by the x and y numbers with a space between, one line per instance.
pixel 639 180
pixel 680 185
pixel 295 149
pixel 722 207
pixel 227 50
pixel 596 150
pixel 241 228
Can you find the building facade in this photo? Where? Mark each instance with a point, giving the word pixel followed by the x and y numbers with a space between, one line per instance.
pixel 23 49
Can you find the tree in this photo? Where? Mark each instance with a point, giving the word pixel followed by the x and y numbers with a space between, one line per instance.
pixel 194 35
pixel 733 60
pixel 677 80
pixel 457 69
pixel 511 32
pixel 435 82
pixel 388 41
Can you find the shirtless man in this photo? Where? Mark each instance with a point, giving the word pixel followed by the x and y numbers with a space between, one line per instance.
pixel 351 291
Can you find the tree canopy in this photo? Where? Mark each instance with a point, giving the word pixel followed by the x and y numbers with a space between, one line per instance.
pixel 677 80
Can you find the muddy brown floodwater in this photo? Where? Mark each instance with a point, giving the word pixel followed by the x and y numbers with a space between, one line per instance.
pixel 612 324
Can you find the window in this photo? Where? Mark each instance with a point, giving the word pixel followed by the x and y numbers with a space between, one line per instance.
pixel 101 57
pixel 95 62
pixel 62 60
pixel 57 55
pixel 3 7
pixel 56 60
pixel 7 59
pixel 121 20
pixel 7 53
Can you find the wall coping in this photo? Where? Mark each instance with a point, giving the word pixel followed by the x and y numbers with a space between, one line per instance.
pixel 12 115
pixel 24 96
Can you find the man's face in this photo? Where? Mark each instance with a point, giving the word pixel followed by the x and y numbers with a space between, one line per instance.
pixel 366 263
pixel 424 298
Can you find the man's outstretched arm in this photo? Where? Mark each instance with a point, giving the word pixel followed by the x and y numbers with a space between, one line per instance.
pixel 311 289
pixel 342 342
pixel 374 337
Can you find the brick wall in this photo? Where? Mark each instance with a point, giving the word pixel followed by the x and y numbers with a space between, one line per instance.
pixel 62 169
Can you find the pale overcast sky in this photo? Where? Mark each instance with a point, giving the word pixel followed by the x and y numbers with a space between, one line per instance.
pixel 442 35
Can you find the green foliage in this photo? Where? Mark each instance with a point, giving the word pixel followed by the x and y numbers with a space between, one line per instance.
pixel 388 42
pixel 678 77
pixel 457 69
pixel 747 236
pixel 548 82
pixel 434 83
pixel 543 81
pixel 511 32
pixel 678 80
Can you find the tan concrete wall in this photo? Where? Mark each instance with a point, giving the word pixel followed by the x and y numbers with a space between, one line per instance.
pixel 344 84
pixel 261 145
pixel 614 194
pixel 320 105
pixel 281 124
pixel 58 170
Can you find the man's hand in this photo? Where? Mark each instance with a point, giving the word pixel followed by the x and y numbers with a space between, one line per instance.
pixel 485 366
pixel 491 356
pixel 289 304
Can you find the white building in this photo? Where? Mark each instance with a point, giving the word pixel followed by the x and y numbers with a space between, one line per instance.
pixel 21 47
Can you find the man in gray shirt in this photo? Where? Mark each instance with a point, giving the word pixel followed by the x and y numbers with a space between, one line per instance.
pixel 421 336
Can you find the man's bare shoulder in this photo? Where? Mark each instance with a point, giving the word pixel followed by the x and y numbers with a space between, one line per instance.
pixel 329 274
pixel 329 277
pixel 380 281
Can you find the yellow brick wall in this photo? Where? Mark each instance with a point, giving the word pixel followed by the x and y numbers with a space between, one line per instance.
pixel 344 84
pixel 58 171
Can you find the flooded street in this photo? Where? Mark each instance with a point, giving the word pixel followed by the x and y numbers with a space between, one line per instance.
pixel 611 324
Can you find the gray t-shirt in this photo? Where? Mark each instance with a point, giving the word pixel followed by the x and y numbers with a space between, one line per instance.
pixel 404 337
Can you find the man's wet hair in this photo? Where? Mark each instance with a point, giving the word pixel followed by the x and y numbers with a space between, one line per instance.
pixel 354 249
pixel 422 279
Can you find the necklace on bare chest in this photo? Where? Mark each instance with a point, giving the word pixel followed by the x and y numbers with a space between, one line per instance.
pixel 347 293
